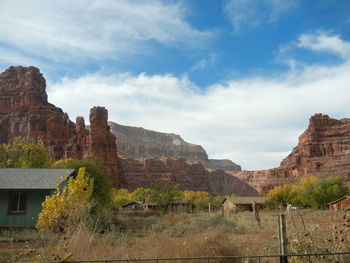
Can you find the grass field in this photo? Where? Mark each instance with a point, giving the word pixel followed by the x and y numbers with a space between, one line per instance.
pixel 138 235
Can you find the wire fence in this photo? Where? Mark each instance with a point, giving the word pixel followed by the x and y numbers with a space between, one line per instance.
pixel 343 257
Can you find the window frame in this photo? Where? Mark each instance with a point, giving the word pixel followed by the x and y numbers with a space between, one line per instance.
pixel 10 203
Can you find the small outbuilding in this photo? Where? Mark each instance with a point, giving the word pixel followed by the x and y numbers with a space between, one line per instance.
pixel 340 204
pixel 176 206
pixel 22 192
pixel 231 204
pixel 134 205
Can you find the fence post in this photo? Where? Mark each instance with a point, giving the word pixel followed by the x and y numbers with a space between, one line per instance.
pixel 282 238
pixel 256 213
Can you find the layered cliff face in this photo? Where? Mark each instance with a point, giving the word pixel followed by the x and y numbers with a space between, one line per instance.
pixel 144 172
pixel 141 143
pixel 25 112
pixel 324 139
pixel 323 150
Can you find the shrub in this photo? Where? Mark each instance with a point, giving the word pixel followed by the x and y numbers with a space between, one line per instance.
pixel 66 206
pixel 23 154
pixel 102 193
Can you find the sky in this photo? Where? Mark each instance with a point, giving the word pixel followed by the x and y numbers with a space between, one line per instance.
pixel 239 77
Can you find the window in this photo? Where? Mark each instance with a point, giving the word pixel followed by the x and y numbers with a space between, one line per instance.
pixel 18 203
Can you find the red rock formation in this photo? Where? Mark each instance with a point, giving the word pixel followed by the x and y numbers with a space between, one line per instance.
pixel 102 143
pixel 25 112
pixel 137 142
pixel 142 143
pixel 144 172
pixel 323 150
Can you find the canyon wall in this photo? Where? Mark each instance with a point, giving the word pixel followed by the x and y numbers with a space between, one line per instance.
pixel 323 150
pixel 144 172
pixel 142 143
pixel 26 112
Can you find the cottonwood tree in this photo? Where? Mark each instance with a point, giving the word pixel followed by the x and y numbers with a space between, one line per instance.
pixel 68 205
pixel 164 194
pixel 21 153
pixel 311 192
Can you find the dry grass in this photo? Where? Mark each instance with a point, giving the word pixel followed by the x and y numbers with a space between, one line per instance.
pixel 191 235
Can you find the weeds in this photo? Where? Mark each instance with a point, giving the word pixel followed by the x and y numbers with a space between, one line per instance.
pixel 318 239
pixel 186 235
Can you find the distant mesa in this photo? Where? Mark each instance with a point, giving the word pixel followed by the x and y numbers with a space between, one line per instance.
pixel 138 142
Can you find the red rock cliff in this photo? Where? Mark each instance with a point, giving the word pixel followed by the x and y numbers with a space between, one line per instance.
pixel 102 143
pixel 323 150
pixel 189 176
pixel 138 142
pixel 25 111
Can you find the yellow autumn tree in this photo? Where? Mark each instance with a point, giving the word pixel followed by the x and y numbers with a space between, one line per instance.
pixel 22 153
pixel 67 205
pixel 198 199
pixel 285 194
pixel 121 197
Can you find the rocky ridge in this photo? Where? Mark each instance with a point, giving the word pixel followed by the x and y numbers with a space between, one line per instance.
pixel 142 143
pixel 323 150
pixel 26 112
pixel 145 171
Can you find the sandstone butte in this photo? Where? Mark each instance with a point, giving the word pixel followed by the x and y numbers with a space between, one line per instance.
pixel 323 150
pixel 26 112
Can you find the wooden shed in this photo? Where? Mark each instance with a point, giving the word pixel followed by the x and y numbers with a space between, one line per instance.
pixel 231 204
pixel 340 204
pixel 22 192
pixel 134 205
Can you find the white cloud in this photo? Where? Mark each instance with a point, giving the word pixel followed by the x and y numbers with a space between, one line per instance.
pixel 253 121
pixel 65 30
pixel 324 42
pixel 247 14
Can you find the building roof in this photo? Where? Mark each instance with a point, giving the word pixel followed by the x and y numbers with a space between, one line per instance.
pixel 33 178
pixel 133 203
pixel 336 201
pixel 246 200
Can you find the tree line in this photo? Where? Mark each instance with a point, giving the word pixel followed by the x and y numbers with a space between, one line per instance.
pixel 89 194
pixel 310 192
pixel 163 195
